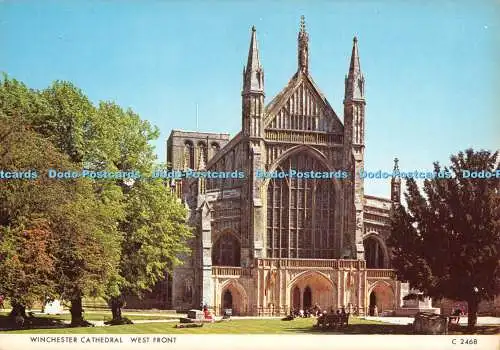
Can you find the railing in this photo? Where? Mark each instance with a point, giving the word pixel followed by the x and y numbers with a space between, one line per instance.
pixel 298 136
pixel 230 271
pixel 381 273
pixel 243 310
pixel 323 263
pixel 222 271
pixel 271 310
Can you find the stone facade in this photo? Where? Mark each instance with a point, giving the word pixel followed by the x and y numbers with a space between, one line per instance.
pixel 267 245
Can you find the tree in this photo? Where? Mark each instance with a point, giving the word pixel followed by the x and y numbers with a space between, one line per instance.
pixel 27 266
pixel 154 229
pixel 155 234
pixel 103 237
pixel 88 252
pixel 446 242
pixel 27 236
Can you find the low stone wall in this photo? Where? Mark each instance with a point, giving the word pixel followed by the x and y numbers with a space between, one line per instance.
pixel 429 323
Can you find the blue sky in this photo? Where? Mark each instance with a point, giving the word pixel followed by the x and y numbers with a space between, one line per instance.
pixel 430 66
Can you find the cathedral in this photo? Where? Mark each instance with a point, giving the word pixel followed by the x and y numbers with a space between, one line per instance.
pixel 266 246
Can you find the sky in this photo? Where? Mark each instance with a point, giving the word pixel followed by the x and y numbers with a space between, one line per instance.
pixel 431 67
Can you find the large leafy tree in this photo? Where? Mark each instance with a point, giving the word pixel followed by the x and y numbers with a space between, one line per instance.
pixel 42 130
pixel 446 242
pixel 27 239
pixel 89 252
pixel 155 234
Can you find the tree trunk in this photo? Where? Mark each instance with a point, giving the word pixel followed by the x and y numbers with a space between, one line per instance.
pixel 116 304
pixel 77 312
pixel 18 315
pixel 18 310
pixel 472 306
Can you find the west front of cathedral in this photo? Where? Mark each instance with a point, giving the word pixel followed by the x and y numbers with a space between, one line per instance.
pixel 266 246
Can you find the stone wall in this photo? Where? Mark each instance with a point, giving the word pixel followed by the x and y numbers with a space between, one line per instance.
pixel 486 307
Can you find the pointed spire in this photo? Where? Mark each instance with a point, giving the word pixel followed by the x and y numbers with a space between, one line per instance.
pixel 396 166
pixel 253 74
pixel 355 67
pixel 355 82
pixel 396 183
pixel 201 161
pixel 303 47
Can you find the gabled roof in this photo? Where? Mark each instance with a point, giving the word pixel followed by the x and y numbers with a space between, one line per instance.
pixel 227 147
pixel 282 97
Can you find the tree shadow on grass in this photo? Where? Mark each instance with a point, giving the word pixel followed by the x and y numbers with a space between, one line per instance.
pixel 7 323
pixel 358 329
pixel 485 330
pixel 391 329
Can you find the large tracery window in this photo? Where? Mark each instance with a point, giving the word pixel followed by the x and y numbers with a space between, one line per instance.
pixel 300 212
pixel 226 251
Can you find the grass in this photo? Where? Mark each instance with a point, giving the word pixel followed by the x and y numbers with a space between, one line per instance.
pixel 241 326
pixel 54 324
pixel 252 326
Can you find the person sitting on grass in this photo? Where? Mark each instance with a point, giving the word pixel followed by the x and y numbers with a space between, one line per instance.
pixel 316 310
pixel 344 317
pixel 321 319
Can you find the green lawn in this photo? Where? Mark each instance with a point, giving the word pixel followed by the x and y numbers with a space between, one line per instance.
pixel 241 326
pixel 249 326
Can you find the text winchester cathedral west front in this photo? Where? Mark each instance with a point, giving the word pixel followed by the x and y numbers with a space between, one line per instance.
pixel 265 246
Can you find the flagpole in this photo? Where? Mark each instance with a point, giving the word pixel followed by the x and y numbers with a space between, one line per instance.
pixel 196 117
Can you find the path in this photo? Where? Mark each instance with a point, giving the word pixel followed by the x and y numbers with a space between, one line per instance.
pixel 481 321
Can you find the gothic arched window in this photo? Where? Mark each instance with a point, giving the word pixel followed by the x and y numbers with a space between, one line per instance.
pixel 188 155
pixel 300 212
pixel 214 148
pixel 226 251
pixel 374 253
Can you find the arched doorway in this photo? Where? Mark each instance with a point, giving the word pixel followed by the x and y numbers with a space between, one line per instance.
pixel 373 302
pixel 233 296
pixel 382 296
pixel 307 298
pixel 227 300
pixel 310 289
pixel 296 298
